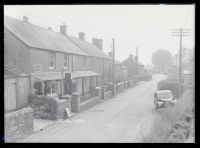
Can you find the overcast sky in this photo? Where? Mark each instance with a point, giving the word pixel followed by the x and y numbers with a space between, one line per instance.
pixel 147 27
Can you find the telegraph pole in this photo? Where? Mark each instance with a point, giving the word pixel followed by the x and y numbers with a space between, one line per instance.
pixel 136 60
pixel 113 63
pixel 180 33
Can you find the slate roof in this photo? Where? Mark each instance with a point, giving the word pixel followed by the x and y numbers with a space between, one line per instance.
pixel 133 60
pixel 89 48
pixel 38 37
pixel 47 76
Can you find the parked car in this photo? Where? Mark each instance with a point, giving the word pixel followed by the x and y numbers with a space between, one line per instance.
pixel 163 99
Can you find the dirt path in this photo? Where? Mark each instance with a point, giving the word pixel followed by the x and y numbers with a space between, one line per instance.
pixel 119 119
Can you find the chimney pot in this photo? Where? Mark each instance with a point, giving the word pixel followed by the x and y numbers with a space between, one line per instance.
pixel 63 29
pixel 49 28
pixel 82 36
pixel 110 54
pixel 98 43
pixel 25 19
pixel 130 56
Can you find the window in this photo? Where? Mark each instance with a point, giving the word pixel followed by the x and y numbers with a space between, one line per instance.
pixel 97 81
pixel 66 61
pixel 52 63
pixel 84 63
pixel 92 64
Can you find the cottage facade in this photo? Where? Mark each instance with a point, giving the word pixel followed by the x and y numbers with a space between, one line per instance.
pixel 36 50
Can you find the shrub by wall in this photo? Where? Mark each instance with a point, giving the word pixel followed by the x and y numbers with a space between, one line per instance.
pixel 41 106
pixel 49 107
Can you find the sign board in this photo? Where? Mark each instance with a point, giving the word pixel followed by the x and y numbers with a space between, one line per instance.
pixel 68 112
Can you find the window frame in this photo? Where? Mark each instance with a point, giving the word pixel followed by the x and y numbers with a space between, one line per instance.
pixel 66 56
pixel 84 63
pixel 52 60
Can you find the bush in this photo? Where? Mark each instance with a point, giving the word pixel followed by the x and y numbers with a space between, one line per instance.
pixel 41 106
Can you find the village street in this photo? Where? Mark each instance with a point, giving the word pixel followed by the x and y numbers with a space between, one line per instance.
pixel 124 118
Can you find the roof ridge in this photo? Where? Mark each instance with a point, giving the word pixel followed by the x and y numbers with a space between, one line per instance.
pixel 87 42
pixel 33 25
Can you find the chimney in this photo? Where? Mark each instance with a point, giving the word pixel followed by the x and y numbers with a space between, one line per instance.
pixel 63 29
pixel 49 28
pixel 25 19
pixel 136 57
pixel 110 54
pixel 130 56
pixel 82 36
pixel 98 43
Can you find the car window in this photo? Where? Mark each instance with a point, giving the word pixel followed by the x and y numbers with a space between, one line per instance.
pixel 164 95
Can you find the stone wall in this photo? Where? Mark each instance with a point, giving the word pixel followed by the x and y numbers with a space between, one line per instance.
pixel 89 103
pixel 107 95
pixel 78 106
pixel 18 124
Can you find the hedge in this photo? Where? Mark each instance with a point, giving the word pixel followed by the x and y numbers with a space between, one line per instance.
pixel 169 85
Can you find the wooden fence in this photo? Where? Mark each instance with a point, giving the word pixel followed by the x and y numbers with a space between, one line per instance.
pixel 16 92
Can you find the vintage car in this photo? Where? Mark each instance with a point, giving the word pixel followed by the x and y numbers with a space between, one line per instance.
pixel 164 99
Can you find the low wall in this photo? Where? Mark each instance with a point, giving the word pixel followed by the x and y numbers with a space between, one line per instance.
pixel 18 124
pixel 115 89
pixel 89 103
pixel 77 106
pixel 132 82
pixel 120 87
pixel 107 95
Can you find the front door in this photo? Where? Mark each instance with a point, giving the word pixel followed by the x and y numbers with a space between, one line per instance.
pixel 67 84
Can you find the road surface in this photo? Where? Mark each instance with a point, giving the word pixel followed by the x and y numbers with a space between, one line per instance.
pixel 124 118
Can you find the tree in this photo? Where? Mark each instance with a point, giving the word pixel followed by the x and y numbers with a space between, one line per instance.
pixel 162 59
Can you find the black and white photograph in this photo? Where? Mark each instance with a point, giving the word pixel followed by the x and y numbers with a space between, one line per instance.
pixel 89 73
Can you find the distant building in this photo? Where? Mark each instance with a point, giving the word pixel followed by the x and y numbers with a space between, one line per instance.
pixel 134 67
pixel 121 72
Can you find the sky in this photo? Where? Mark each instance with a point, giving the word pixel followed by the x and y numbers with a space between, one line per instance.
pixel 148 27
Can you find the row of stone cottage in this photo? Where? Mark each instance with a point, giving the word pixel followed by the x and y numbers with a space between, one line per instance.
pixel 40 62
pixel 44 53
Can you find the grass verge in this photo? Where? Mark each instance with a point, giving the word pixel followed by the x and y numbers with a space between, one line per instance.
pixel 166 122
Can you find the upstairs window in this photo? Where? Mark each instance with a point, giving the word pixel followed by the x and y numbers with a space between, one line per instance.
pixel 84 63
pixel 92 64
pixel 52 63
pixel 66 61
